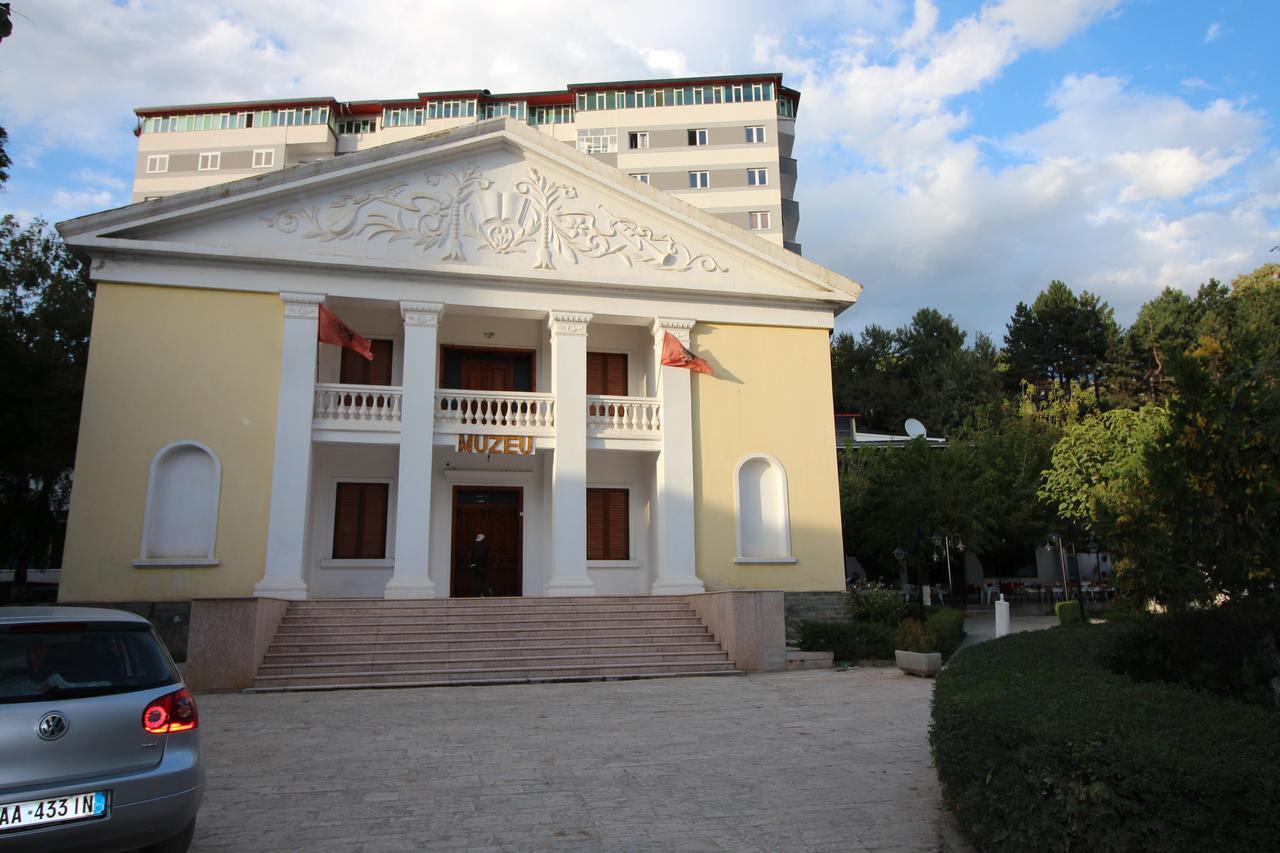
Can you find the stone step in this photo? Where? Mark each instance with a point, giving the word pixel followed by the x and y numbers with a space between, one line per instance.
pixel 487 651
pixel 393 642
pixel 354 614
pixel 390 625
pixel 483 682
pixel 507 671
pixel 487 619
pixel 493 662
pixel 300 635
pixel 504 601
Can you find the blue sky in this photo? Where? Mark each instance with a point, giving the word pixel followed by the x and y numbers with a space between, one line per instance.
pixel 958 155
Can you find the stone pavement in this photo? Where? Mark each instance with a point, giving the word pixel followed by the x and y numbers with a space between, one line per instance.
pixel 816 760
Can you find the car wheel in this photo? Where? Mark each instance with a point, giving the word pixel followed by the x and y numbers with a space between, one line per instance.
pixel 177 844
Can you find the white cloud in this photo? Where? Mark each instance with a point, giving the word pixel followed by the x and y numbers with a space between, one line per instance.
pixel 1214 32
pixel 77 201
pixel 1120 189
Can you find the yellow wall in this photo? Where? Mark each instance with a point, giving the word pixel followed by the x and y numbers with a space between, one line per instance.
pixel 772 395
pixel 168 364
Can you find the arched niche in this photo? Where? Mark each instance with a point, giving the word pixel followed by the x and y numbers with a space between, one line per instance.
pixel 762 510
pixel 180 525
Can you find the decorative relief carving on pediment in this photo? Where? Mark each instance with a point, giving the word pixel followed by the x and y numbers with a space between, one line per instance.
pixel 533 216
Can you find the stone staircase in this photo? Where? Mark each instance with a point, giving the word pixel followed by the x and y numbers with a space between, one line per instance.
pixel 350 643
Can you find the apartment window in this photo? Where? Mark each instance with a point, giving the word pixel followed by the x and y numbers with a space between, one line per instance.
pixel 608 527
pixel 699 180
pixel 757 177
pixel 157 163
pixel 759 220
pixel 607 373
pixel 353 127
pixel 598 141
pixel 755 134
pixel 551 115
pixel 698 137
pixel 210 161
pixel 360 521
pixel 264 158
pixel 638 139
pixel 642 177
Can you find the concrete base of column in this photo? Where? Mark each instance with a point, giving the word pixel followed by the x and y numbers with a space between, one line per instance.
pixel 410 589
pixel 677 586
pixel 563 587
pixel 276 589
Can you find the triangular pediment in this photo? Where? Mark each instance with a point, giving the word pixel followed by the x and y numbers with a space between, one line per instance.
pixel 496 199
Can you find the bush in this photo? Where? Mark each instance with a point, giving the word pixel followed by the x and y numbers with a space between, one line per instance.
pixel 915 636
pixel 1068 612
pixel 876 604
pixel 847 641
pixel 1039 746
pixel 1223 650
pixel 948 625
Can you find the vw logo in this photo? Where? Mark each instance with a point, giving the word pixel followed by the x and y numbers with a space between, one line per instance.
pixel 52 726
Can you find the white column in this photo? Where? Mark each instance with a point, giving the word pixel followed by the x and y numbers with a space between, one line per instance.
pixel 673 519
pixel 568 570
pixel 291 469
pixel 411 578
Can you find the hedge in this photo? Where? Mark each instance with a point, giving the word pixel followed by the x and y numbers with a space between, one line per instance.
pixel 948 624
pixel 1039 746
pixel 847 641
pixel 1068 612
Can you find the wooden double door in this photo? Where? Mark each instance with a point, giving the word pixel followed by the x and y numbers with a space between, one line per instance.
pixel 497 512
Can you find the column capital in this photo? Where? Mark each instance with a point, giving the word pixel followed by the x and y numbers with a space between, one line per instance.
pixel 679 328
pixel 301 305
pixel 568 322
pixel 421 313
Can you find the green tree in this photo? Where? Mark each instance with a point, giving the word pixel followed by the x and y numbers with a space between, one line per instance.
pixel 1062 338
pixel 46 305
pixel 5 162
pixel 921 370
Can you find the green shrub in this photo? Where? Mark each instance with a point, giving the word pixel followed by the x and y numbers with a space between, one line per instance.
pixel 1068 612
pixel 1039 746
pixel 1222 650
pixel 915 636
pixel 947 624
pixel 847 641
pixel 876 604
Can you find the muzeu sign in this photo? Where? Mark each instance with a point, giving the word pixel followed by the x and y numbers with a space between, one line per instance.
pixel 513 445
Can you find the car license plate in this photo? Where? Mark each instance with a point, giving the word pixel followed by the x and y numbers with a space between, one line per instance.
pixel 53 810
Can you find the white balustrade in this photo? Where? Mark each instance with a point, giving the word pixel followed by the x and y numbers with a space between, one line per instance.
pixel 495 412
pixel 623 417
pixel 365 407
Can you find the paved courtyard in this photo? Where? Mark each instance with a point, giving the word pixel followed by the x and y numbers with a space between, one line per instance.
pixel 818 760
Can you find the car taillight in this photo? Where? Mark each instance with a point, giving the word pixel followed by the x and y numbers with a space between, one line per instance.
pixel 174 712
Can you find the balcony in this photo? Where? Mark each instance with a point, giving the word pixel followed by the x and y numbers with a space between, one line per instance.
pixel 623 417
pixel 495 413
pixel 375 409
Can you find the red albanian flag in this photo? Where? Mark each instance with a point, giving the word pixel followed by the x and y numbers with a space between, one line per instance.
pixel 676 354
pixel 334 331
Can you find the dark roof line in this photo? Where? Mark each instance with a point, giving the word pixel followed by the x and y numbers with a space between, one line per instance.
pixel 477 93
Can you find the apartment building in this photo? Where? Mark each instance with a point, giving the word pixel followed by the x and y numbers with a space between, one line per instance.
pixel 723 144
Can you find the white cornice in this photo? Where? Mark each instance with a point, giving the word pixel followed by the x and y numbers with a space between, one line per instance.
pixel 568 322
pixel 421 313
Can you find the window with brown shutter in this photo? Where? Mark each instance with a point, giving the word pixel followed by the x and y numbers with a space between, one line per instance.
pixel 358 370
pixel 360 521
pixel 607 373
pixel 608 525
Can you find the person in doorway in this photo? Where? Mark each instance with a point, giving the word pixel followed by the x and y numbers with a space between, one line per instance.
pixel 480 565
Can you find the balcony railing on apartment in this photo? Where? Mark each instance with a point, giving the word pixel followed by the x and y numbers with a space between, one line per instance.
pixel 378 407
pixel 623 417
pixel 361 407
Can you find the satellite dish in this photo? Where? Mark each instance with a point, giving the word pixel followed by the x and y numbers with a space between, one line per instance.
pixel 914 428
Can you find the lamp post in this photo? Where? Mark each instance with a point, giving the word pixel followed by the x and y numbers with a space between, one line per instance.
pixel 945 543
pixel 901 556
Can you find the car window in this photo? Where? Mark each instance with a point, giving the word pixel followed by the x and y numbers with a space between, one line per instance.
pixel 43 661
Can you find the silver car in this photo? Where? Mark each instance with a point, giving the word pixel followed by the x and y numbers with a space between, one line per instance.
pixel 99 738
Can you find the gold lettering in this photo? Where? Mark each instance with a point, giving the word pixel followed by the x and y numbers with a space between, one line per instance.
pixel 510 444
pixel 526 444
pixel 495 444
pixel 464 444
